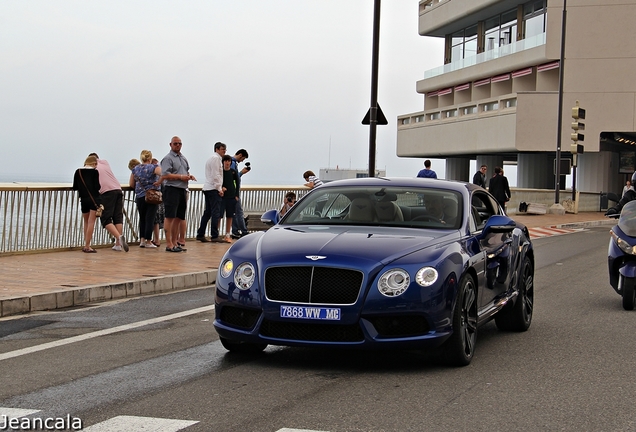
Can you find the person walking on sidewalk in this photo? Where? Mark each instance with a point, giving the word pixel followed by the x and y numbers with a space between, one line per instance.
pixel 213 193
pixel 112 197
pixel 86 183
pixel 175 171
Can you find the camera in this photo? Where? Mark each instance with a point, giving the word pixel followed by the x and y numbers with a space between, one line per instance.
pixel 247 166
pixel 290 200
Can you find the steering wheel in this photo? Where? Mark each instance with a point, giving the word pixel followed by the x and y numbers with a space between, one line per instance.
pixel 428 218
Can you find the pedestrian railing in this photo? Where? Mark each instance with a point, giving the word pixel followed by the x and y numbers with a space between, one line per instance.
pixel 47 217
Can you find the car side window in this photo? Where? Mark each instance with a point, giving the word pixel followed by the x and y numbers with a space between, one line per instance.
pixel 482 208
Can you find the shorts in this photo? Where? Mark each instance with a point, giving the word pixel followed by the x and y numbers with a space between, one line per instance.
pixel 87 205
pixel 228 206
pixel 174 202
pixel 113 202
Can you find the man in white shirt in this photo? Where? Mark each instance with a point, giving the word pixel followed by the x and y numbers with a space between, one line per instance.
pixel 213 192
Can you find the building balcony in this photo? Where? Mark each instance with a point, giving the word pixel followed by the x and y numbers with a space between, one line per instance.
pixel 509 123
pixel 496 53
pixel 522 54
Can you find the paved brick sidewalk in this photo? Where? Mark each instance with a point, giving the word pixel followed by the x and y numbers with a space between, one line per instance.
pixel 41 281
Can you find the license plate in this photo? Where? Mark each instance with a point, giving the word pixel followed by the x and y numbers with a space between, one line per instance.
pixel 311 313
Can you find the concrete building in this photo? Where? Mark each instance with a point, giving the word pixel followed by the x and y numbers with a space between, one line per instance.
pixel 495 99
pixel 330 174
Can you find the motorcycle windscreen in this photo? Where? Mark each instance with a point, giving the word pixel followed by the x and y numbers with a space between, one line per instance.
pixel 627 221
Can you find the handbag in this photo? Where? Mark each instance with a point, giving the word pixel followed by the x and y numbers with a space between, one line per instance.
pixel 99 208
pixel 153 196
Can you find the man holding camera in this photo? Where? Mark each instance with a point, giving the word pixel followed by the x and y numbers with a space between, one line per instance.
pixel 239 229
pixel 290 200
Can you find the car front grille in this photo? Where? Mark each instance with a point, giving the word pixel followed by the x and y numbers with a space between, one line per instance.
pixel 400 326
pixel 310 284
pixel 239 317
pixel 312 332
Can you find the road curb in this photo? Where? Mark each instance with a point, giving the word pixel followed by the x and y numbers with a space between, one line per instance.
pixel 77 296
pixel 586 224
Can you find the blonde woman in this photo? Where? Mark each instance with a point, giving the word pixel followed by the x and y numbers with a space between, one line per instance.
pixel 86 183
pixel 142 178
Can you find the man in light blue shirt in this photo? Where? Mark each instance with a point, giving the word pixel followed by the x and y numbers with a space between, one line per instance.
pixel 175 171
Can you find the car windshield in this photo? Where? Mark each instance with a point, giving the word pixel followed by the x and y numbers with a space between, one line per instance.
pixel 378 206
pixel 627 221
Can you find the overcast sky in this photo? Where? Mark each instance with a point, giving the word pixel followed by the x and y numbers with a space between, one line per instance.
pixel 288 80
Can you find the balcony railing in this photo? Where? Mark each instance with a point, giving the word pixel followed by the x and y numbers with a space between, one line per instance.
pixel 40 217
pixel 502 51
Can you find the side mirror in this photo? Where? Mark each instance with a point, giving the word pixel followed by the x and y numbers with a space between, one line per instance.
pixel 499 224
pixel 270 217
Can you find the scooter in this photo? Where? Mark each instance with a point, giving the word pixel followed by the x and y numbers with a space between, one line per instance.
pixel 621 256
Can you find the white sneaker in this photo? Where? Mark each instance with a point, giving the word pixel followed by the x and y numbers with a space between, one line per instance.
pixel 117 248
pixel 150 246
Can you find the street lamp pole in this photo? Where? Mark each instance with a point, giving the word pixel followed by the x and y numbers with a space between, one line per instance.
pixel 560 112
pixel 373 110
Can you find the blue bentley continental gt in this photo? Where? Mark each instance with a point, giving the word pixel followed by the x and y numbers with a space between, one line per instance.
pixel 382 263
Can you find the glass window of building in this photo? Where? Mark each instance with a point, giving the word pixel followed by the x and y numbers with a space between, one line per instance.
pixel 492 33
pixel 508 33
pixel 534 18
pixel 470 41
pixel 457 49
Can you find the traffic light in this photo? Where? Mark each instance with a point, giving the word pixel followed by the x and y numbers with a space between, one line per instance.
pixel 578 126
pixel 576 148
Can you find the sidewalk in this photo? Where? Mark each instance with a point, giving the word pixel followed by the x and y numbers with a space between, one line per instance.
pixel 43 281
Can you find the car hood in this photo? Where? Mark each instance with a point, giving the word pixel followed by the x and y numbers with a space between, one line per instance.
pixel 334 245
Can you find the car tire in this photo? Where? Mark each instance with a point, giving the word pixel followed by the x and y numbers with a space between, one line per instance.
pixel 459 349
pixel 519 317
pixel 629 293
pixel 242 347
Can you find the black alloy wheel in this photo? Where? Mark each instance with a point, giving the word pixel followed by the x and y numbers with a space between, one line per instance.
pixel 519 317
pixel 459 349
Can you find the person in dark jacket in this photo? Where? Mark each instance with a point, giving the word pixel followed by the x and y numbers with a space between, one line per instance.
pixel 230 195
pixel 499 187
pixel 86 183
pixel 480 177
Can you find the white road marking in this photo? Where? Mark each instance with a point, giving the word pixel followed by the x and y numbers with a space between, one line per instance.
pixel 138 424
pixel 297 430
pixel 79 338
pixel 131 423
pixel 551 231
pixel 16 412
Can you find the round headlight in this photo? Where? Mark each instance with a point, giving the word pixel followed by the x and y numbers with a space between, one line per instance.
pixel 244 276
pixel 426 276
pixel 393 282
pixel 226 268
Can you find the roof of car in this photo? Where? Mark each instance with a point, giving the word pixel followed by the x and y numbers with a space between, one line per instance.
pixel 404 182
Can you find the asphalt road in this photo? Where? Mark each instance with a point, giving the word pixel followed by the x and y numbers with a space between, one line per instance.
pixel 571 371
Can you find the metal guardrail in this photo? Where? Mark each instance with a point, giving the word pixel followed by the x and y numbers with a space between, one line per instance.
pixel 37 217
